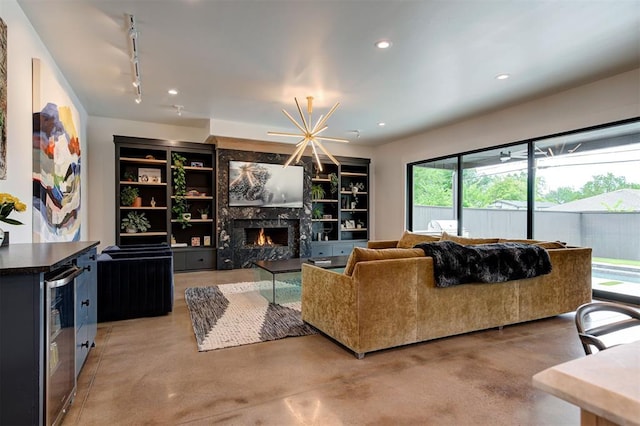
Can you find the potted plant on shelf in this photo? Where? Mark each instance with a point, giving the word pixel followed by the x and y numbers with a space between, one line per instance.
pixel 204 213
pixel 316 212
pixel 334 182
pixel 180 206
pixel 135 222
pixel 129 196
pixel 129 176
pixel 317 192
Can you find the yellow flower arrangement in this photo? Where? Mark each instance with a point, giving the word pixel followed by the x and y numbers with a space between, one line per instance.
pixel 9 203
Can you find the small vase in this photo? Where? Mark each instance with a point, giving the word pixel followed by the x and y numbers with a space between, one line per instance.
pixel 137 202
pixel 131 230
pixel 204 216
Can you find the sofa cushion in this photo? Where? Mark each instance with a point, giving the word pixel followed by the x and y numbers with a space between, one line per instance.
pixel 467 241
pixel 361 254
pixel 409 239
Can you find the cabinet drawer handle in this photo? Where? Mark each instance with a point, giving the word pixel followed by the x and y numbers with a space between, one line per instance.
pixel 85 344
pixel 84 302
pixel 92 257
pixel 87 268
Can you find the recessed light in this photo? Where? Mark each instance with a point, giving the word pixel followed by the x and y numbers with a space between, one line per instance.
pixel 383 44
pixel 502 76
pixel 382 124
pixel 173 92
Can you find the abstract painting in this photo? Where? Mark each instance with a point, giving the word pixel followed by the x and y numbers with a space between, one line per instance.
pixel 3 100
pixel 56 160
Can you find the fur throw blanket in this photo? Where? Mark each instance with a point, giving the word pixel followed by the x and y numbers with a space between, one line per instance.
pixel 455 264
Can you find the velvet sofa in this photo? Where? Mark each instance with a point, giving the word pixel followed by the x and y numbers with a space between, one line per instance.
pixel 387 296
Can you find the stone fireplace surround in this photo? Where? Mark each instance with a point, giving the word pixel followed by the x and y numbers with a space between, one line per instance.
pixel 231 252
pixel 245 251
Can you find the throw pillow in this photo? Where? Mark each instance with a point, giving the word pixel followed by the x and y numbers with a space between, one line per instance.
pixel 361 254
pixel 551 244
pixel 410 240
pixel 467 241
pixel 543 244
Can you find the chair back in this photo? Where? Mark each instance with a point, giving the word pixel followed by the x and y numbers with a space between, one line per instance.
pixel 590 334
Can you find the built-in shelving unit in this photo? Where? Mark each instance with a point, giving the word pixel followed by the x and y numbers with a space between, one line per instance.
pixel 340 218
pixel 149 166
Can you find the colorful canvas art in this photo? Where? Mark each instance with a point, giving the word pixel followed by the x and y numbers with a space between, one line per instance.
pixel 56 160
pixel 3 100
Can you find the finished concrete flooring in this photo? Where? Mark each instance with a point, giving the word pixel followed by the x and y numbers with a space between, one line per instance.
pixel 148 371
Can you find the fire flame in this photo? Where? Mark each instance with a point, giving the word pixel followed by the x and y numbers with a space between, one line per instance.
pixel 263 240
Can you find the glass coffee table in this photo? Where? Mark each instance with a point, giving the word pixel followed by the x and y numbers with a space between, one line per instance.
pixel 285 266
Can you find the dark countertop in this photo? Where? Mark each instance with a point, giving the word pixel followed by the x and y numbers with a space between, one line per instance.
pixel 40 257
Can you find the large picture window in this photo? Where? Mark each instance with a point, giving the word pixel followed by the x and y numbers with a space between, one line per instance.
pixel 582 188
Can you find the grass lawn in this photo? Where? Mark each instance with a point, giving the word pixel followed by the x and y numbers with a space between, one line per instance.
pixel 617 261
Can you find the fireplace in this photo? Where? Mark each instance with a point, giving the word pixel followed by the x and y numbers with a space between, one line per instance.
pixel 264 239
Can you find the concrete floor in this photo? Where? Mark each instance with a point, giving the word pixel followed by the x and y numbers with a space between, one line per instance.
pixel 148 371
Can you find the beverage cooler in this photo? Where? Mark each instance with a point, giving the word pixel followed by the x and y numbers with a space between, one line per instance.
pixel 60 344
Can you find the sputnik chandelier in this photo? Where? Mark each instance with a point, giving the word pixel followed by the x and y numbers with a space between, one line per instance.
pixel 310 135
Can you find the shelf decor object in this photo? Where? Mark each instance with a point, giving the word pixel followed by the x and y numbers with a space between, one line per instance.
pixel 310 135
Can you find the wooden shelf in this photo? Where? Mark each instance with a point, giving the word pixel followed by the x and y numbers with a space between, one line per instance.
pixel 196 169
pixel 142 234
pixel 353 174
pixel 320 180
pixel 324 220
pixel 199 197
pixel 142 160
pixel 354 210
pixel 324 201
pixel 353 229
pixel 356 194
pixel 142 208
pixel 193 221
pixel 126 182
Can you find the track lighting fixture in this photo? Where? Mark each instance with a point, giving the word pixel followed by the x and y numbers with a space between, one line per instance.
pixel 132 33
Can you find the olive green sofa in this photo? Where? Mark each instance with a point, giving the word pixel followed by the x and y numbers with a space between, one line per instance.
pixel 387 298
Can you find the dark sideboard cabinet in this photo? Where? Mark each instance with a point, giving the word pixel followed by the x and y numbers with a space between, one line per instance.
pixel 176 184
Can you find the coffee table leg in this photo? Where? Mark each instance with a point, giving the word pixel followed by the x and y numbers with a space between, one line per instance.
pixel 273 287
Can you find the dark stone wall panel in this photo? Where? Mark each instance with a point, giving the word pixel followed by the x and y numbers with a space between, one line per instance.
pixel 227 259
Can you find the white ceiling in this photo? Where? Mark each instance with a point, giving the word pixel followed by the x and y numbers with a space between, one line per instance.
pixel 243 61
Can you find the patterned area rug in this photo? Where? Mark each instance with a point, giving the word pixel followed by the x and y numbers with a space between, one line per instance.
pixel 240 314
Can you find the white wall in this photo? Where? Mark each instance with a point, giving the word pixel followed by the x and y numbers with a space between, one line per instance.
pixel 23 44
pixel 611 99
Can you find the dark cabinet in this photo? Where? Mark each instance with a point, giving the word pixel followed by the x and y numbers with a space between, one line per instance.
pixel 86 307
pixel 39 322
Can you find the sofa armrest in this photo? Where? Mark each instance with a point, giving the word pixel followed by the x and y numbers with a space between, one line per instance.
pixel 382 244
pixel 387 301
pixel 329 303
